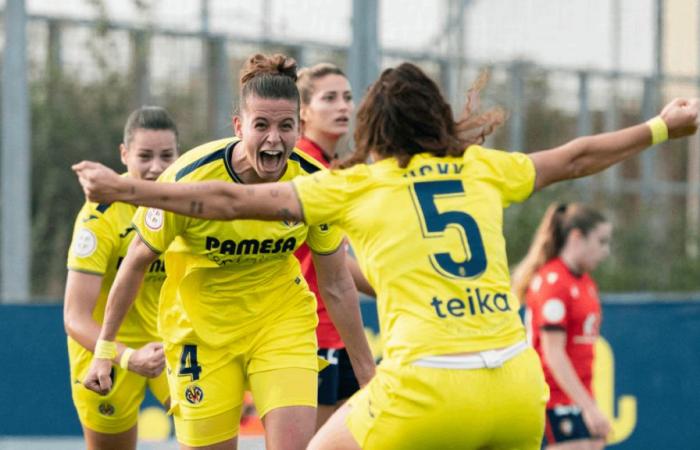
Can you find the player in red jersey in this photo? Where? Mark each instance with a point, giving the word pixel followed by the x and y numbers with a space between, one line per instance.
pixel 563 319
pixel 326 109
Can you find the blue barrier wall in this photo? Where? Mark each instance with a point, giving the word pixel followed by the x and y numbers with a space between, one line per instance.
pixel 655 348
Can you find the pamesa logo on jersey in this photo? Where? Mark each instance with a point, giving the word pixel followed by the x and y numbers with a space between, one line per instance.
pixel 250 246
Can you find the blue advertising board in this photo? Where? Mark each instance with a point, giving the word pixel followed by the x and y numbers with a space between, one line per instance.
pixel 647 371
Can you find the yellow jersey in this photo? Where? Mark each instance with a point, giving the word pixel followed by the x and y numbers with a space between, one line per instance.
pixel 101 237
pixel 226 278
pixel 429 238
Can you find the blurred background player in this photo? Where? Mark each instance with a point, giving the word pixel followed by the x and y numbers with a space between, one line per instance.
pixel 100 240
pixel 235 310
pixel 426 222
pixel 563 319
pixel 326 111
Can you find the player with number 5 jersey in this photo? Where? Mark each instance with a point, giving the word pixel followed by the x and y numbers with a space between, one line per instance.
pixel 425 219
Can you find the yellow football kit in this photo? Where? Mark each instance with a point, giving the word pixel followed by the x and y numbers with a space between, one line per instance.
pixel 101 237
pixel 235 305
pixel 429 239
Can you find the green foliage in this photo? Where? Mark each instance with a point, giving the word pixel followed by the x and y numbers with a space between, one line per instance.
pixel 72 120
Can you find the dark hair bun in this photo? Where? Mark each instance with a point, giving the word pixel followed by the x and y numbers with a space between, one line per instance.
pixel 260 64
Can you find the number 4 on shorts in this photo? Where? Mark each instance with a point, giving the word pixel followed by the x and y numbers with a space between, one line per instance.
pixel 188 362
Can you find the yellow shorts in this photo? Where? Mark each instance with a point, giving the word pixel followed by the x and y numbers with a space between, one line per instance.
pixel 117 411
pixel 278 364
pixel 410 407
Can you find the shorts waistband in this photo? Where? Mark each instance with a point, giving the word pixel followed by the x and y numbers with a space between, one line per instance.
pixel 490 359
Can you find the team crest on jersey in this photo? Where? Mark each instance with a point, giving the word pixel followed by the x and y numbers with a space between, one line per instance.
pixel 106 409
pixel 566 426
pixel 154 219
pixel 194 394
pixel 554 310
pixel 85 243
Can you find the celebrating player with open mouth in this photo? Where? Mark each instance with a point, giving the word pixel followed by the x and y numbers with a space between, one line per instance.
pixel 235 311
pixel 425 219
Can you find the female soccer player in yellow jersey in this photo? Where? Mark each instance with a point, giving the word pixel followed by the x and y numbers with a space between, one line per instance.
pixel 101 237
pixel 426 222
pixel 235 310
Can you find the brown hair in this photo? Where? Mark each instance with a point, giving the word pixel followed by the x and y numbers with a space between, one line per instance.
pixel 272 77
pixel 404 113
pixel 148 118
pixel 559 220
pixel 307 76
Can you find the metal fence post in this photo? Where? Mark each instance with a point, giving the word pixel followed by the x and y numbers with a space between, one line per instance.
pixel 363 61
pixel 140 69
pixel 517 121
pixel 219 88
pixel 16 156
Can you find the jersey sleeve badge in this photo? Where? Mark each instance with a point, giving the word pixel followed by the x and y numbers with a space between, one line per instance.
pixel 85 243
pixel 154 219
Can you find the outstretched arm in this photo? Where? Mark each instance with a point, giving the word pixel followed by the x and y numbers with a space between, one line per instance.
pixel 216 200
pixel 591 154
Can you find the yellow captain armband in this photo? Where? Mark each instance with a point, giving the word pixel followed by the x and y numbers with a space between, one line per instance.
pixel 124 360
pixel 105 349
pixel 659 130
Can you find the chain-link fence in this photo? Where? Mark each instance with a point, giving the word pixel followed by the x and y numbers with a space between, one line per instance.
pixel 86 74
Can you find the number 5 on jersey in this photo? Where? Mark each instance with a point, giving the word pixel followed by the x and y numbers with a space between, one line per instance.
pixel 434 224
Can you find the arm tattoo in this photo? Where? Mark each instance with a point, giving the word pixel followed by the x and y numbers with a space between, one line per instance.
pixel 196 206
pixel 274 193
pixel 286 214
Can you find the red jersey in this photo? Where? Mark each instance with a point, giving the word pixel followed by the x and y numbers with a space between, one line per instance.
pixel 326 333
pixel 558 299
